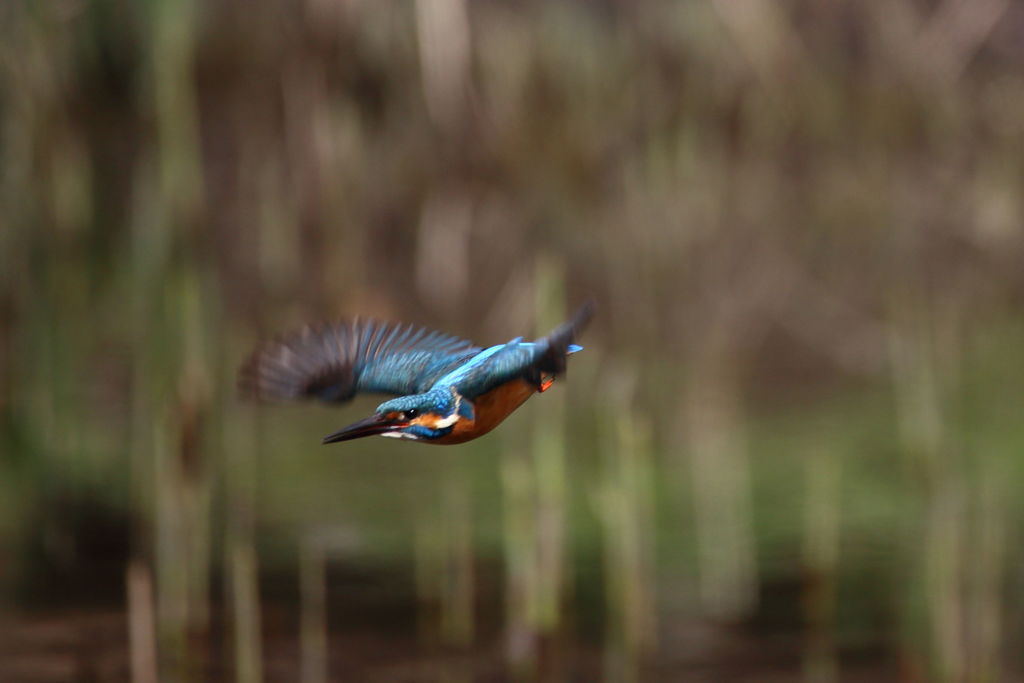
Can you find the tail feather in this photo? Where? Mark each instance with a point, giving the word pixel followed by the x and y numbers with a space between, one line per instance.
pixel 560 341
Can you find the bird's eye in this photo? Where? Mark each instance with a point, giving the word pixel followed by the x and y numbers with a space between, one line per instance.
pixel 411 413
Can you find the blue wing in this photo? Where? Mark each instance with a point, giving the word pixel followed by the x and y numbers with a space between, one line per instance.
pixel 518 359
pixel 333 362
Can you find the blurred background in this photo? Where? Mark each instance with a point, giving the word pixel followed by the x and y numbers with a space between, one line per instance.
pixel 792 447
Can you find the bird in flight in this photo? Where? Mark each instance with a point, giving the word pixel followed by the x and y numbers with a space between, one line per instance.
pixel 447 389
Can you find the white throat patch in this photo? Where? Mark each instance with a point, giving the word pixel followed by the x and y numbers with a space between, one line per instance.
pixel 401 435
pixel 454 417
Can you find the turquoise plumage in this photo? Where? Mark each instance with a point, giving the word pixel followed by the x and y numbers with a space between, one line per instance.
pixel 449 389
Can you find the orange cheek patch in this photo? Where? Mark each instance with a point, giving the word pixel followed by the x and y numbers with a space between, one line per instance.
pixel 429 420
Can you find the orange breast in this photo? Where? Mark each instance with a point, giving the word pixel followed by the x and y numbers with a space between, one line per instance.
pixel 490 410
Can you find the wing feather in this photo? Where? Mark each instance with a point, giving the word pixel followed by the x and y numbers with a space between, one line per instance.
pixel 335 361
pixel 531 361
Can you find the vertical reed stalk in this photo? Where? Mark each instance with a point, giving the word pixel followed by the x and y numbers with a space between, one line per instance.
pixel 821 562
pixel 943 573
pixel 192 461
pixel 246 620
pixel 721 481
pixel 443 556
pixel 242 575
pixel 180 556
pixel 313 588
pixel 172 569
pixel 180 482
pixel 520 563
pixel 141 621
pixel 549 465
pixel 921 398
pixel 625 507
pixel 457 579
pixel 174 104
pixel 986 576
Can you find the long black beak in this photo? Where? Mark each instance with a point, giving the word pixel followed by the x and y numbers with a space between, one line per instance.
pixel 371 426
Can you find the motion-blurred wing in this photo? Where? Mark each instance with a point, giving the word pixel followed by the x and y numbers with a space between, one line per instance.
pixel 531 361
pixel 335 361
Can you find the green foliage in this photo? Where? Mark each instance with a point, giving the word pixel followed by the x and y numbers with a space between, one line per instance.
pixel 801 221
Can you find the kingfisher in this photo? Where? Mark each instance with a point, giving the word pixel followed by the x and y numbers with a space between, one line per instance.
pixel 447 390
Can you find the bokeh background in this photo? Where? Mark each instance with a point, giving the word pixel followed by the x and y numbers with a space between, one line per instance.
pixel 791 449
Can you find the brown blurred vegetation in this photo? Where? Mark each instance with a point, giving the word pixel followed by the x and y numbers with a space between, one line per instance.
pixel 790 448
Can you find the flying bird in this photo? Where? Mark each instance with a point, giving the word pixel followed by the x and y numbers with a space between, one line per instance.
pixel 447 390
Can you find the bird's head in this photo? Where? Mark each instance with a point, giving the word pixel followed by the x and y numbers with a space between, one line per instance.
pixel 420 417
